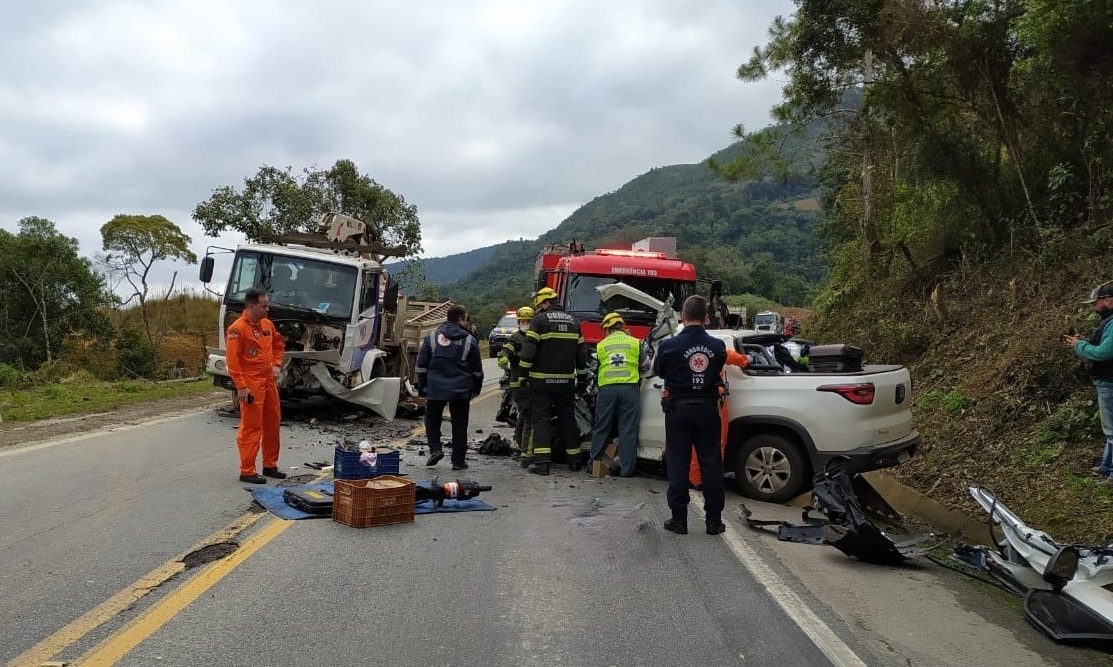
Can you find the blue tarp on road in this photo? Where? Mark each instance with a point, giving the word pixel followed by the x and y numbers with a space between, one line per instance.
pixel 271 498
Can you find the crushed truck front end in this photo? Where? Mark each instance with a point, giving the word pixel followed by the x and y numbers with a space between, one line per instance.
pixel 326 307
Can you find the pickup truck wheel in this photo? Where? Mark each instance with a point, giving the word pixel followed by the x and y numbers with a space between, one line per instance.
pixel 769 468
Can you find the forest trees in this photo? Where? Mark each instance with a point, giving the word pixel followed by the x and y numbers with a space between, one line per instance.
pixel 981 126
pixel 49 291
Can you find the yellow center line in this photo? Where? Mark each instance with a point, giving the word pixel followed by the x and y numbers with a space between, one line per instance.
pixel 126 598
pixel 121 643
pixel 107 610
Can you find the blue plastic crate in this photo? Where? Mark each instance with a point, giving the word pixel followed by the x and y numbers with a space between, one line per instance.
pixel 346 465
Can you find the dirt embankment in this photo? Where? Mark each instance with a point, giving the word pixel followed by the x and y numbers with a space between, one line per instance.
pixel 1001 402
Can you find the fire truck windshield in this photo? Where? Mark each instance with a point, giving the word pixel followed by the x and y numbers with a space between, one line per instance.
pixel 294 282
pixel 583 301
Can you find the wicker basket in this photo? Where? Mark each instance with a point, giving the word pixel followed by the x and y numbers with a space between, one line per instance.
pixel 362 503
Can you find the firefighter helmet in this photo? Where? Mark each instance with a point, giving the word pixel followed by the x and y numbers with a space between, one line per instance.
pixel 542 295
pixel 525 313
pixel 613 320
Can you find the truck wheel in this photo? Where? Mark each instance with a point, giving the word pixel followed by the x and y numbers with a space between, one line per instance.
pixel 770 468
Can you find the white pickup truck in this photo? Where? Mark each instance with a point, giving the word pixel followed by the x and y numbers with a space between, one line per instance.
pixel 782 425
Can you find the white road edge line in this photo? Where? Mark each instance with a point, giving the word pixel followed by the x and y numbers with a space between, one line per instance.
pixel 821 635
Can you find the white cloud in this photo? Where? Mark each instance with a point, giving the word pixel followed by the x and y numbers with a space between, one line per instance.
pixel 498 117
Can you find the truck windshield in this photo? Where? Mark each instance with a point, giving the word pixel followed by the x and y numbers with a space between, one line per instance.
pixel 762 319
pixel 294 282
pixel 583 300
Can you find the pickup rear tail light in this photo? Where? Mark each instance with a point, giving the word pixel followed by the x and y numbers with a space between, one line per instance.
pixel 860 393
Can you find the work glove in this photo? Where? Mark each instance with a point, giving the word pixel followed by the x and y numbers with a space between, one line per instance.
pixel 504 363
pixel 421 390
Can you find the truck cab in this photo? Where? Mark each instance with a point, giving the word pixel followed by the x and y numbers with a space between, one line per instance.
pixel 650 266
pixel 327 309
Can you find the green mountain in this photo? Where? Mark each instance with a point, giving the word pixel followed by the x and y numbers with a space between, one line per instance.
pixel 757 236
pixel 441 270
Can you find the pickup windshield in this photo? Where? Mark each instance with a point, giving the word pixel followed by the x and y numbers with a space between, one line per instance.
pixel 583 300
pixel 294 282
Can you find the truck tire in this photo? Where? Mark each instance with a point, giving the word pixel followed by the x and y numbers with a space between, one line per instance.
pixel 770 468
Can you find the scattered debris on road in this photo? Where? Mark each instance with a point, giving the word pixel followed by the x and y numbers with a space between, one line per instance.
pixel 844 524
pixel 1066 587
pixel 493 445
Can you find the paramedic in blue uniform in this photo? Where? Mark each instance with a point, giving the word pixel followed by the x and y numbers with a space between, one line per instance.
pixel 691 365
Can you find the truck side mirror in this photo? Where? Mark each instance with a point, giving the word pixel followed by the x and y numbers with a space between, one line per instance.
pixel 207 263
pixel 1061 568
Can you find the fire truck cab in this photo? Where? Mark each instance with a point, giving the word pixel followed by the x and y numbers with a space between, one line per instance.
pixel 650 265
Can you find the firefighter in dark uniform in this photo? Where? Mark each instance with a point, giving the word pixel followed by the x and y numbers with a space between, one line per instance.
pixel 509 358
pixel 555 357
pixel 691 365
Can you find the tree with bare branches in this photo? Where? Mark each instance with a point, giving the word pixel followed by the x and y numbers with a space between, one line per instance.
pixel 133 244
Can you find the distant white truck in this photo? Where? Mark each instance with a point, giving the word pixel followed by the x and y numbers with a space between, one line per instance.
pixel 784 426
pixel 768 321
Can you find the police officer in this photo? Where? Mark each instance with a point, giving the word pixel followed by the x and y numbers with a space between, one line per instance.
pixel 555 358
pixel 691 363
pixel 621 361
pixel 509 358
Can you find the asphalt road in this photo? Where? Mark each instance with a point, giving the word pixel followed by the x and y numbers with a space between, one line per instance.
pixel 567 570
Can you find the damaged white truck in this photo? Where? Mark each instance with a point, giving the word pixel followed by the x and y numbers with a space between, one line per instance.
pixel 785 425
pixel 349 333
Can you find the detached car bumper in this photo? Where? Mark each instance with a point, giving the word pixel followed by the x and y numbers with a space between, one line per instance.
pixel 865 459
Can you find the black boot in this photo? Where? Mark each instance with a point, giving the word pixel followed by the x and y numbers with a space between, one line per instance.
pixel 525 461
pixel 575 464
pixel 716 527
pixel 674 526
pixel 253 479
pixel 274 472
pixel 539 468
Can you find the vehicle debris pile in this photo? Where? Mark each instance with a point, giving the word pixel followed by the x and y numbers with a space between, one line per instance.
pixel 843 524
pixel 1067 588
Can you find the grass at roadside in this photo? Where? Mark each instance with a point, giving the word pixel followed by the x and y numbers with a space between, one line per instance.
pixel 83 394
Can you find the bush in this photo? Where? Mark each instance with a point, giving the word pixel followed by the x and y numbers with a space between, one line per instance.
pixel 952 402
pixel 51 372
pixel 135 356
pixel 11 377
pixel 95 355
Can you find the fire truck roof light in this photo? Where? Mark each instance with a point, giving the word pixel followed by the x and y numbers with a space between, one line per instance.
pixel 631 253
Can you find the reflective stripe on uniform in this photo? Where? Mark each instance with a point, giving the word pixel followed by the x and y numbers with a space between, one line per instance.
pixel 560 336
pixel 553 376
pixel 533 334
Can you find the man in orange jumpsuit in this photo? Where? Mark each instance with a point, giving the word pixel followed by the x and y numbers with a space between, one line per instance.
pixel 254 350
pixel 694 477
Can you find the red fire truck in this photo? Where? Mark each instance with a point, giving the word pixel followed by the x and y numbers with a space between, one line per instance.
pixel 649 265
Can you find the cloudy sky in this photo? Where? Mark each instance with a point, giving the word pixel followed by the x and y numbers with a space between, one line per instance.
pixel 497 119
